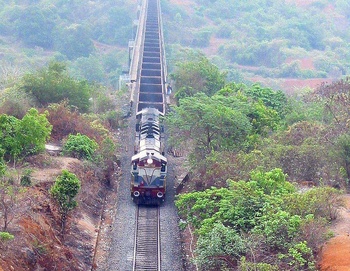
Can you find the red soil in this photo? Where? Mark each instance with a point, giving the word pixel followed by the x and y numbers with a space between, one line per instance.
pixel 304 63
pixel 335 255
pixel 291 85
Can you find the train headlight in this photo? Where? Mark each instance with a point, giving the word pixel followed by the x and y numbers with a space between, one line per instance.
pixel 159 194
pixel 149 161
pixel 136 194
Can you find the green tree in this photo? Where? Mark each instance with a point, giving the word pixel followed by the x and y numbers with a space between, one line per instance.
pixel 208 125
pixel 64 191
pixel 53 85
pixel 80 146
pixel 9 144
pixel 265 107
pixel 221 247
pixel 272 99
pixel 35 26
pixel 198 75
pixel 73 41
pixel 20 138
pixel 32 132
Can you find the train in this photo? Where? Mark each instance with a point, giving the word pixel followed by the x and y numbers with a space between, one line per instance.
pixel 148 164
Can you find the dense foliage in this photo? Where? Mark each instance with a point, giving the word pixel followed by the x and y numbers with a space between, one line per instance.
pixel 37 24
pixel 53 85
pixel 247 144
pixel 19 138
pixel 197 75
pixel 92 37
pixel 265 213
pixel 264 38
pixel 234 118
pixel 80 146
pixel 209 124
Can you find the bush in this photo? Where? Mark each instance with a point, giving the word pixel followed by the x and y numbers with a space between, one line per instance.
pixel 248 266
pixel 219 241
pixel 66 120
pixel 53 85
pixel 64 191
pixel 299 257
pixel 19 138
pixel 80 146
pixel 15 102
pixel 26 178
pixel 5 236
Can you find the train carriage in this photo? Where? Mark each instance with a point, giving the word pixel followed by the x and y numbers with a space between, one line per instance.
pixel 148 164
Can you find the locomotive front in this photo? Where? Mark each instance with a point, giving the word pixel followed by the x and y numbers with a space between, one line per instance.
pixel 148 164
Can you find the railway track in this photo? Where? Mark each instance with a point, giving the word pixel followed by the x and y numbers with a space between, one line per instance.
pixel 147 240
pixel 151 67
pixel 156 244
pixel 150 90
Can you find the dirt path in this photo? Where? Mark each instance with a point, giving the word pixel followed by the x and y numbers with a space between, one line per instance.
pixel 335 254
pixel 54 169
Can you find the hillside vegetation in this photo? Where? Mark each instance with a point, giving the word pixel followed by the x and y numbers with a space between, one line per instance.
pixel 263 40
pixel 60 64
pixel 251 148
pixel 252 153
pixel 91 37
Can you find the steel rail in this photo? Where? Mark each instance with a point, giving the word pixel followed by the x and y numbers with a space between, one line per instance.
pixel 147 256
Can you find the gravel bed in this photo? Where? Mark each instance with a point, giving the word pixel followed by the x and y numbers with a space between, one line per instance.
pixel 170 235
pixel 123 228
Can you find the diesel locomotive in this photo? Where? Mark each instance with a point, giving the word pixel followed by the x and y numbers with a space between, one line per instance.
pixel 148 164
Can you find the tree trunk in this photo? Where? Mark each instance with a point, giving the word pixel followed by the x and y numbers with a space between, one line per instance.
pixel 63 223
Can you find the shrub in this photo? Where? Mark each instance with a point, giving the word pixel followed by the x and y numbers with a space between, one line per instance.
pixel 15 102
pixel 5 236
pixel 80 146
pixel 53 85
pixel 247 266
pixel 20 138
pixel 64 190
pixel 299 257
pixel 65 120
pixel 26 178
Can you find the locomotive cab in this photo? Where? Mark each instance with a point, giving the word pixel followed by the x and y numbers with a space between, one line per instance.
pixel 148 178
pixel 148 164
